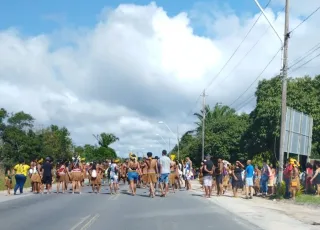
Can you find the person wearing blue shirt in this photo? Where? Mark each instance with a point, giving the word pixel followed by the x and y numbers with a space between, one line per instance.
pixel 249 179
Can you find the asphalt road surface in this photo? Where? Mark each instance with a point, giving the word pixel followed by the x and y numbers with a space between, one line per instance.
pixel 181 210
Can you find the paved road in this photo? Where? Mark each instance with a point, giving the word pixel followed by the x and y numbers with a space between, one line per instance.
pixel 182 210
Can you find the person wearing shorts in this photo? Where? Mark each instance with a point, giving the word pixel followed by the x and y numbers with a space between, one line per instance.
pixel 207 176
pixel 249 179
pixel 133 173
pixel 133 176
pixel 47 174
pixel 164 163
pixel 114 177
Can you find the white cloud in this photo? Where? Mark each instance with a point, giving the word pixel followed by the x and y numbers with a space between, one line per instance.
pixel 138 66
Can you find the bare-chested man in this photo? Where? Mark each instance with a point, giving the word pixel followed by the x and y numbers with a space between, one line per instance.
pixel 152 171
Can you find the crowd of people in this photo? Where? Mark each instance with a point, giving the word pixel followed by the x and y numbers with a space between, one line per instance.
pixel 152 172
pixel 257 181
pixel 161 174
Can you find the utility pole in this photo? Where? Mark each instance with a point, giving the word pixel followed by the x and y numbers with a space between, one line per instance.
pixel 178 142
pixel 284 91
pixel 203 120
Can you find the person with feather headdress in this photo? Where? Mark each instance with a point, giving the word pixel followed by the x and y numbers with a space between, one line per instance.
pixel 295 177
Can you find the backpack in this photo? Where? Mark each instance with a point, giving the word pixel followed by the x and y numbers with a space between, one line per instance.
pixel 94 173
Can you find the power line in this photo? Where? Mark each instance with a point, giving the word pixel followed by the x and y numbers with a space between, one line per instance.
pixel 257 77
pixel 191 110
pixel 242 59
pixel 295 62
pixel 307 54
pixel 245 102
pixel 236 50
pixel 318 55
pixel 304 20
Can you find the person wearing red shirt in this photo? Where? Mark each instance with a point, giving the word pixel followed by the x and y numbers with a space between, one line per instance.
pixel 286 177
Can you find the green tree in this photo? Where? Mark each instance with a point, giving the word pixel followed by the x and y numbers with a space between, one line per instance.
pixel 17 136
pixel 102 151
pixel 264 130
pixel 106 139
pixel 57 142
pixel 223 131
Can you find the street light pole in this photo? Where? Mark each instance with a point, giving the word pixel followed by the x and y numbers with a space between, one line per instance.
pixel 162 138
pixel 284 91
pixel 203 121
pixel 175 135
pixel 178 143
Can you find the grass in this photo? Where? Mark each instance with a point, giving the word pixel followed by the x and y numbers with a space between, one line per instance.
pixel 2 183
pixel 308 199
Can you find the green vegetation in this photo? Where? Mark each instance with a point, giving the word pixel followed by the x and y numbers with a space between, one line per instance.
pixel 3 187
pixel 20 139
pixel 308 199
pixel 255 136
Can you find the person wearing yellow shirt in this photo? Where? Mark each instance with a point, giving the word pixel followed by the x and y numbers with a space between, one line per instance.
pixel 21 171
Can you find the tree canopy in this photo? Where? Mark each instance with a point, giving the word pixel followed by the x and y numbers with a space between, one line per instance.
pixel 233 136
pixel 19 138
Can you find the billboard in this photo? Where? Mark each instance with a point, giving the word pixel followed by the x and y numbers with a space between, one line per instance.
pixel 298 139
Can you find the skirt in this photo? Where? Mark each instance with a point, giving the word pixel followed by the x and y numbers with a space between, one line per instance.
pixel 144 178
pixel 76 176
pixel 96 181
pixel 270 182
pixel 295 184
pixel 67 178
pixel 236 184
pixel 8 183
pixel 61 178
pixel 152 178
pixel 35 178
pixel 201 180
pixel 257 183
pixel 172 178
pixel 225 181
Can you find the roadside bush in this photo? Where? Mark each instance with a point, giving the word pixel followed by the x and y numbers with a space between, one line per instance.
pixel 281 190
pixel 300 191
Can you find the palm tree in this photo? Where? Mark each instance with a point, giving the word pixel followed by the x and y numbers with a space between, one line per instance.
pixel 106 139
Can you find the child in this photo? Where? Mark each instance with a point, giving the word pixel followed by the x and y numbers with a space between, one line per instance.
pixel 8 181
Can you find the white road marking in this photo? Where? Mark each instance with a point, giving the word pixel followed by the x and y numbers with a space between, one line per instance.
pixel 90 222
pixel 80 222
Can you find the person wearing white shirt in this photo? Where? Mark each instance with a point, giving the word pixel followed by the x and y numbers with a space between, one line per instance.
pixel 164 172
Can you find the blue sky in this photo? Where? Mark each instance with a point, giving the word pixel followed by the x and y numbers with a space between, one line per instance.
pixel 37 16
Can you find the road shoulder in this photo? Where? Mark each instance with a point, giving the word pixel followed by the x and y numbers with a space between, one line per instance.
pixel 265 213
